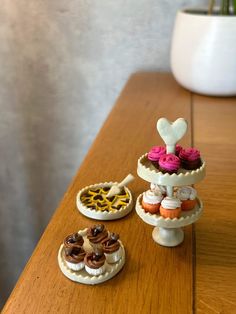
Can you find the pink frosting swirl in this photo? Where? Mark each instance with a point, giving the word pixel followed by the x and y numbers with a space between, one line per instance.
pixel 156 152
pixel 190 154
pixel 178 148
pixel 169 162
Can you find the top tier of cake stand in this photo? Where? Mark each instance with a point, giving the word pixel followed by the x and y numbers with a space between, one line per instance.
pixel 149 173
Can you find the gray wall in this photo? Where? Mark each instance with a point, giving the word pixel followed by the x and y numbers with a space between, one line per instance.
pixel 62 65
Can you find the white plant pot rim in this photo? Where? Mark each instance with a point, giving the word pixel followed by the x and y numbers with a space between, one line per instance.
pixel 202 12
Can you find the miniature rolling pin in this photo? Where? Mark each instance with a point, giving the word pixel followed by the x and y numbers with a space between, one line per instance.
pixel 117 188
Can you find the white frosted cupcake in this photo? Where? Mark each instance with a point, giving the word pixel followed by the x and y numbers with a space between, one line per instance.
pixel 158 189
pixel 95 263
pixel 151 201
pixel 170 207
pixel 74 257
pixel 112 248
pixel 187 195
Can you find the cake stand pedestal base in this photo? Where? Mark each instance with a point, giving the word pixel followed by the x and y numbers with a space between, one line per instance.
pixel 168 236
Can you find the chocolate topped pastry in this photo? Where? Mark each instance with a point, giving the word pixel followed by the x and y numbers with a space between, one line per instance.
pixel 74 254
pixel 95 259
pixel 74 257
pixel 111 244
pixel 112 248
pixel 97 234
pixel 74 240
pixel 95 263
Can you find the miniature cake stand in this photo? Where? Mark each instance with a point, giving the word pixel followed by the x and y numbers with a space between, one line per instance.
pixel 82 276
pixel 168 232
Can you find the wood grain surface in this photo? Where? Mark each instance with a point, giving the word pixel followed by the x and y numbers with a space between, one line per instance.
pixel 155 279
pixel 215 133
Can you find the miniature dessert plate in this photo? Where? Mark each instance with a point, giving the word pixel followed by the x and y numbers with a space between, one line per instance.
pixel 84 277
pixel 92 201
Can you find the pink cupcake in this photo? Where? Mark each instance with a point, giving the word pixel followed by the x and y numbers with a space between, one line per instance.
pixel 155 153
pixel 169 163
pixel 190 158
pixel 178 148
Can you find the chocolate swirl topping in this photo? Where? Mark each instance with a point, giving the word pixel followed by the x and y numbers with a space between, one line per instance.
pixel 74 254
pixel 73 240
pixel 112 244
pixel 97 233
pixel 95 259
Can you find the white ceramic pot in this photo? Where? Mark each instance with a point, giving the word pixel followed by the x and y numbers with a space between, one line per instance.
pixel 203 53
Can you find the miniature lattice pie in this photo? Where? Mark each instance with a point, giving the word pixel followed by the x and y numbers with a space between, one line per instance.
pixel 93 202
pixel 96 199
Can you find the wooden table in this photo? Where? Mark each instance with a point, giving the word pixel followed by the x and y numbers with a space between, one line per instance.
pixel 197 276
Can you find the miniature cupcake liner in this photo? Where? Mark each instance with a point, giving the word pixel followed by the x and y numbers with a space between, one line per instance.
pixel 83 276
pixel 96 271
pixel 183 177
pixel 75 266
pixel 114 257
pixel 103 215
pixel 170 213
pixel 186 217
pixel 188 204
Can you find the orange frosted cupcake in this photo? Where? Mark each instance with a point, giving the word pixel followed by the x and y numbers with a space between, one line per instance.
pixel 151 201
pixel 187 195
pixel 170 207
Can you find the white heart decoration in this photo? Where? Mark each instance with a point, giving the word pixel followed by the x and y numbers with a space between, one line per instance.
pixel 171 132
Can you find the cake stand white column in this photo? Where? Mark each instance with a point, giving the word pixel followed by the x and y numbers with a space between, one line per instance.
pixel 168 236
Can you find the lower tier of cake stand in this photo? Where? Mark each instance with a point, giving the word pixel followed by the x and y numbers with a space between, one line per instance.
pixel 168 232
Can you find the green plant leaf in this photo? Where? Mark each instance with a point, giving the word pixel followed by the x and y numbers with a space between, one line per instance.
pixel 234 7
pixel 211 6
